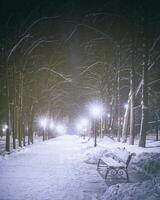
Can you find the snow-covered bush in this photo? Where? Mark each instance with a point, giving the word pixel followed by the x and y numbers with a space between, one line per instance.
pixel 148 190
pixel 148 163
pixel 92 155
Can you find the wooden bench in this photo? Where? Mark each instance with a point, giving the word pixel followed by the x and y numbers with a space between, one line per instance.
pixel 116 163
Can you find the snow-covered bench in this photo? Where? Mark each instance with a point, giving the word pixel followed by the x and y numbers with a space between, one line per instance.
pixel 116 163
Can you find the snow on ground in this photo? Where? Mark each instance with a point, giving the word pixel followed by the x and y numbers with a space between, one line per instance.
pixel 146 160
pixel 65 168
pixel 3 141
pixel 147 190
pixel 144 170
pixel 51 170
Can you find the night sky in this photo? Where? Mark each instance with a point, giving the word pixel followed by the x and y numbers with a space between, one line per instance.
pixel 55 21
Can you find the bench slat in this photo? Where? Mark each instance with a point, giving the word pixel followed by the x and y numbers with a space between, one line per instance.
pixel 121 154
pixel 111 162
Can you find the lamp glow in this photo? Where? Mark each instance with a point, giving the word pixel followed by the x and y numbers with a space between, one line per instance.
pixel 5 126
pixel 126 106
pixel 96 110
pixel 4 130
pixel 79 127
pixel 43 122
pixel 84 122
pixel 51 125
pixel 108 115
pixel 61 129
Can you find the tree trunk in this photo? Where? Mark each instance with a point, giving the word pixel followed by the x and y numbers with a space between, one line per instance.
pixel 8 131
pixel 14 134
pixel 14 110
pixel 95 133
pixel 157 129
pixel 125 123
pixel 24 136
pixel 132 99
pixel 144 102
pixel 118 107
pixel 7 140
pixel 132 117
pixel 7 148
pixel 19 129
pixel 111 119
pixel 28 133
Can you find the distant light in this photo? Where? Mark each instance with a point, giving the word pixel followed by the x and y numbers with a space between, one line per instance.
pixel 84 122
pixel 43 122
pixel 4 130
pixel 5 126
pixel 96 110
pixel 79 127
pixel 51 125
pixel 108 115
pixel 61 129
pixel 126 106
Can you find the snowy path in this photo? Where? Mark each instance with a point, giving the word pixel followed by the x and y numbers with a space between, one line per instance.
pixel 52 170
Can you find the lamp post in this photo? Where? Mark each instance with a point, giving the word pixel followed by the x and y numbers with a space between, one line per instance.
pixel 43 123
pixel 96 111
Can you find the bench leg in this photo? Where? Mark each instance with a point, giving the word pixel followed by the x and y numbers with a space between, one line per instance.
pixel 106 173
pixel 98 163
pixel 127 175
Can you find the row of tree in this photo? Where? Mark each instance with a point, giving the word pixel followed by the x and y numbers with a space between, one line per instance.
pixel 115 63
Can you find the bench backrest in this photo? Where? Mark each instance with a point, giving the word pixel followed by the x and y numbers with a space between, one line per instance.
pixel 123 155
pixel 129 159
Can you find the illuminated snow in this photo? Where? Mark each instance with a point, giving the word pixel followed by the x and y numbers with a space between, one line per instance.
pixel 64 168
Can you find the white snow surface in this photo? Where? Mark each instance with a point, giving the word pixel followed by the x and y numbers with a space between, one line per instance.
pixel 64 168
pixel 146 190
pixel 51 170
pixel 145 181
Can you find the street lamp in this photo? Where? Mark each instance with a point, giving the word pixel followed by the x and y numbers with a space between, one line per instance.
pixel 4 128
pixel 96 111
pixel 51 125
pixel 126 106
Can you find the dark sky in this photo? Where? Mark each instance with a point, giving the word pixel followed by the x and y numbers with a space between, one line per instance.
pixel 19 9
pixel 23 12
pixel 17 15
